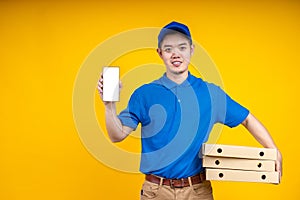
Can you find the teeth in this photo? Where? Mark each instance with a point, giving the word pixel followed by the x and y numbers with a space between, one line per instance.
pixel 176 63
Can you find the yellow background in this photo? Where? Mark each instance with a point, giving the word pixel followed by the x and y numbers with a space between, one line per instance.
pixel 255 45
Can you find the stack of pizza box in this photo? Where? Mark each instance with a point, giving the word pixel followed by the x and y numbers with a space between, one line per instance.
pixel 239 163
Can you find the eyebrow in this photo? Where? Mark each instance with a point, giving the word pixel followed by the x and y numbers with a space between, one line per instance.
pixel 183 44
pixel 167 45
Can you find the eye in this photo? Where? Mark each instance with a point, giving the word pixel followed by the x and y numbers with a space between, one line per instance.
pixel 182 48
pixel 168 50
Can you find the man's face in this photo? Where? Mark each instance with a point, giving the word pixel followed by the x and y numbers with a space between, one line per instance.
pixel 176 52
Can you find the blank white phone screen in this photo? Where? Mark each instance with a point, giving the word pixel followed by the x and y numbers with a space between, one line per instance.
pixel 111 79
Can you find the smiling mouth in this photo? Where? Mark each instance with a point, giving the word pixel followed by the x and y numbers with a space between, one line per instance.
pixel 176 63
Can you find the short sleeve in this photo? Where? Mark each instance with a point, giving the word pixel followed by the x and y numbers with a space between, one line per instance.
pixel 131 116
pixel 226 110
pixel 235 113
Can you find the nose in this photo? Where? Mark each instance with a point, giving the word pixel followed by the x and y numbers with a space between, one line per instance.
pixel 175 54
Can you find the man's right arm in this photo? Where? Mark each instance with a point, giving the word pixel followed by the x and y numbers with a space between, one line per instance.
pixel 116 131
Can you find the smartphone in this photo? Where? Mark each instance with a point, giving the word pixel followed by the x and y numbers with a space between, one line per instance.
pixel 111 81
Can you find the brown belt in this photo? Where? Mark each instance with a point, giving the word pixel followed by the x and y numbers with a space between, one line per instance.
pixel 177 183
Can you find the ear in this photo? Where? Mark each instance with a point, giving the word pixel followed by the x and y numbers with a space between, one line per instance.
pixel 159 52
pixel 192 49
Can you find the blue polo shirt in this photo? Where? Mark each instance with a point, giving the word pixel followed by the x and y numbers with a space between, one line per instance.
pixel 176 120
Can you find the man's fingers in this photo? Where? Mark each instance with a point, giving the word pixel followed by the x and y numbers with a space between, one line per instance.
pixel 100 85
pixel 100 89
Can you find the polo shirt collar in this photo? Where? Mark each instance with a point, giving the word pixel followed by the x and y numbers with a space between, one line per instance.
pixel 165 81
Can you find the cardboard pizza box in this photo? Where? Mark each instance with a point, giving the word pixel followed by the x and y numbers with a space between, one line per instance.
pixel 239 152
pixel 242 176
pixel 238 163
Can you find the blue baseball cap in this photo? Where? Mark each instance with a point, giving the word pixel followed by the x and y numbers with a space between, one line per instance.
pixel 174 27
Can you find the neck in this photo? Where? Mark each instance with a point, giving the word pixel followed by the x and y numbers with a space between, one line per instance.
pixel 177 78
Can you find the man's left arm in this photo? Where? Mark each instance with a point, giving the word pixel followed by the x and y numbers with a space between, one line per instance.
pixel 261 134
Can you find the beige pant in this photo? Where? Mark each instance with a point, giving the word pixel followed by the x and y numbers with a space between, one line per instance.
pixel 202 191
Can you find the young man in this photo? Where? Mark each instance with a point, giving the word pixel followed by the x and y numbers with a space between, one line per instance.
pixel 177 113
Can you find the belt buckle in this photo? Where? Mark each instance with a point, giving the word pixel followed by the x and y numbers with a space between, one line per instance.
pixel 178 186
